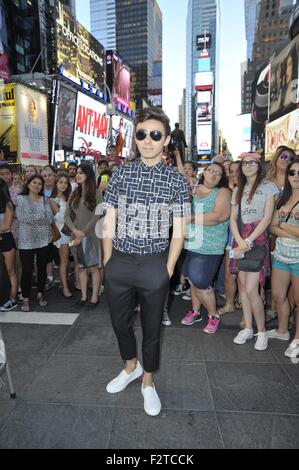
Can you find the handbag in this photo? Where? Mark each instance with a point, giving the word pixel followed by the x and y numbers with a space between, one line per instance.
pixel 87 254
pixel 65 229
pixel 272 237
pixel 55 232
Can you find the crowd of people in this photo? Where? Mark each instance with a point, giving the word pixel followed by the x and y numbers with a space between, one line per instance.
pixel 240 235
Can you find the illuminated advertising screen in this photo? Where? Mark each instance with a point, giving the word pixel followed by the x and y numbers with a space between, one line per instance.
pixel 284 81
pixel 122 133
pixel 203 41
pixel 204 81
pixel 79 55
pixel 66 118
pixel 204 138
pixel 4 67
pixel 32 127
pixel 118 78
pixel 91 127
pixel 204 106
pixel 8 123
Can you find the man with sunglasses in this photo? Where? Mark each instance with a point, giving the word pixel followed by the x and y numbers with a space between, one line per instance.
pixel 140 200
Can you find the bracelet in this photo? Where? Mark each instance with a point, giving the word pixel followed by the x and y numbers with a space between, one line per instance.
pixel 249 242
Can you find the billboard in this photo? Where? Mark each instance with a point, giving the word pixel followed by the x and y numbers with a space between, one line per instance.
pixel 283 131
pixel 122 134
pixel 8 123
pixel 204 106
pixel 204 138
pixel 91 127
pixel 204 81
pixel 32 127
pixel 4 66
pixel 80 57
pixel 203 41
pixel 242 133
pixel 284 81
pixel 66 118
pixel 118 78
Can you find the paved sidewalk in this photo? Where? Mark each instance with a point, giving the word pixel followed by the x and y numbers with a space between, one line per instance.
pixel 214 393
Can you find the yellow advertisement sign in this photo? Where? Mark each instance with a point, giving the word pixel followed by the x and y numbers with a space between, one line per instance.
pixel 8 123
pixel 283 131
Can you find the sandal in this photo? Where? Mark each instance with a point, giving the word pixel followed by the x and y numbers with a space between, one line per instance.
pixel 25 306
pixel 228 308
pixel 41 301
pixel 238 305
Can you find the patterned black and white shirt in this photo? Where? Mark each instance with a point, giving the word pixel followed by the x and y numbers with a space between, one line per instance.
pixel 146 198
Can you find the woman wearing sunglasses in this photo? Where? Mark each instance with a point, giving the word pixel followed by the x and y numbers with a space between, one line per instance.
pixel 205 244
pixel 276 173
pixel 252 208
pixel 285 266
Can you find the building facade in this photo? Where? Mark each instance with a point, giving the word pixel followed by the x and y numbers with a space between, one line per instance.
pixel 203 18
pixel 133 28
pixel 270 27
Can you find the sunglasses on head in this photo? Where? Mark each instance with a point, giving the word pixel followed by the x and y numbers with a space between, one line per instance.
pixel 285 156
pixel 156 136
pixel 293 172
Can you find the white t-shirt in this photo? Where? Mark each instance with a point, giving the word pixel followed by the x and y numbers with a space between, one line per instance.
pixel 255 210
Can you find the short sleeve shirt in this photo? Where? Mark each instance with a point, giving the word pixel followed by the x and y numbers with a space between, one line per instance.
pixel 146 198
pixel 254 210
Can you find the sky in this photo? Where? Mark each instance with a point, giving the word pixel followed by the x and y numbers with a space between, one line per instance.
pixel 232 53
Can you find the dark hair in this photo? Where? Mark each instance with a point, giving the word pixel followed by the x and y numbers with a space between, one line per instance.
pixel 72 164
pixel 90 189
pixel 223 183
pixel 242 182
pixel 287 188
pixel 25 190
pixel 5 166
pixel 68 190
pixel 5 198
pixel 192 164
pixel 153 113
pixel 51 168
pixel 103 162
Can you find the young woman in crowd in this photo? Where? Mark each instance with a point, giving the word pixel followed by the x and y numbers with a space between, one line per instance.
pixel 285 265
pixel 206 237
pixel 7 243
pixel 82 204
pixel 58 201
pixel 230 280
pixel 34 217
pixel 252 209
pixel 277 173
pixel 29 171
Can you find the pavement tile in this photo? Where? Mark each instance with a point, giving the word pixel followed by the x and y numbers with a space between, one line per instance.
pixel 57 427
pixel 32 339
pixel 75 379
pixel 169 430
pixel 220 347
pixel 252 387
pixel 180 387
pixel 5 411
pixel 98 317
pixel 90 340
pixel 259 431
pixel 179 345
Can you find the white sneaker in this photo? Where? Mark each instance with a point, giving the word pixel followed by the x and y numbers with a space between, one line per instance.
pixel 262 341
pixel 180 289
pixel 166 320
pixel 243 336
pixel 293 350
pixel 273 334
pixel 123 380
pixel 187 296
pixel 152 404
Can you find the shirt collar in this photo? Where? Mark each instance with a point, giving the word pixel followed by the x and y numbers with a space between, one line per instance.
pixel 158 168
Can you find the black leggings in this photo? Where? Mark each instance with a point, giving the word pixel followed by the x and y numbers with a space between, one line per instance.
pixel 27 262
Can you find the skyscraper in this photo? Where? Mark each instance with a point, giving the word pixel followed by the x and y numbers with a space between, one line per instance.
pixel 134 29
pixel 203 18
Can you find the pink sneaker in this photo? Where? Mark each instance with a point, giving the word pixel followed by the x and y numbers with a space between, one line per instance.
pixel 212 325
pixel 191 317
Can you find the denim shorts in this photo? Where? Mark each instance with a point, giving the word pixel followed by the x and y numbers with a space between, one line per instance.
pixel 201 270
pixel 293 268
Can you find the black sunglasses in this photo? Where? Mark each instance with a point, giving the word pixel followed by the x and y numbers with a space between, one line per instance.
pixel 156 136
pixel 293 172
